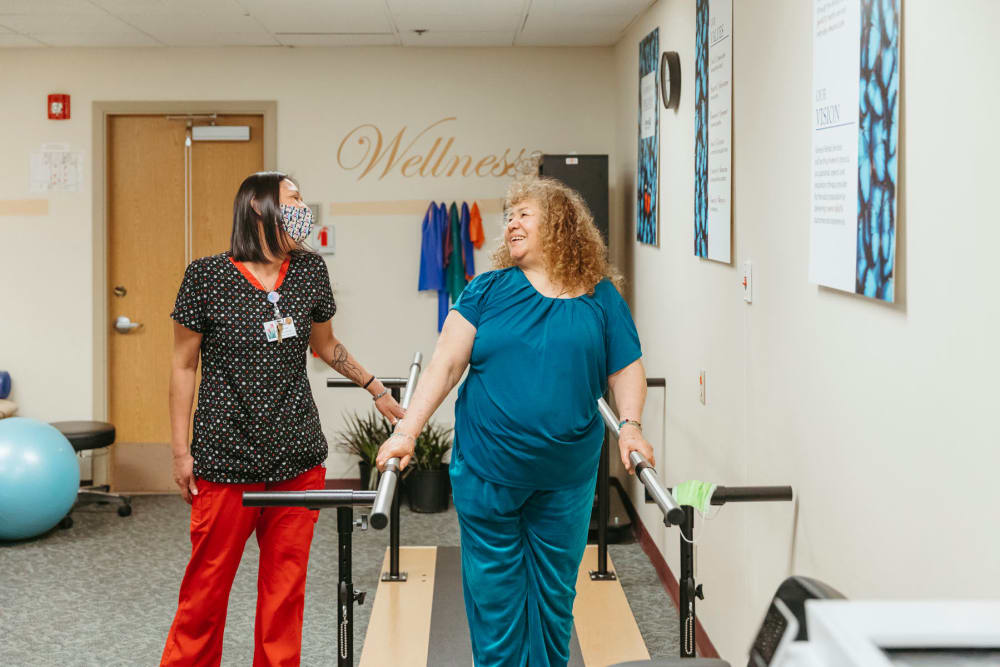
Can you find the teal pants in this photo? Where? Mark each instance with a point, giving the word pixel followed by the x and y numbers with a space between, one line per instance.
pixel 521 551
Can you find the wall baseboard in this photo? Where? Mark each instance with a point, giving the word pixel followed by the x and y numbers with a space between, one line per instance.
pixel 703 644
pixel 352 484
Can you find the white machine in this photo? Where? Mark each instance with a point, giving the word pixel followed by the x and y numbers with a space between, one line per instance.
pixel 857 633
pixel 810 624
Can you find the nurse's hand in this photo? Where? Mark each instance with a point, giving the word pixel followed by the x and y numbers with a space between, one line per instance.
pixel 631 440
pixel 399 446
pixel 390 409
pixel 183 476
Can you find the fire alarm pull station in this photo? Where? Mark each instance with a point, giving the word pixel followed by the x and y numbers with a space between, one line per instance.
pixel 59 107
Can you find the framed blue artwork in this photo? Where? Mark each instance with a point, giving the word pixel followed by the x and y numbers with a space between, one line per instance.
pixel 713 130
pixel 647 205
pixel 855 144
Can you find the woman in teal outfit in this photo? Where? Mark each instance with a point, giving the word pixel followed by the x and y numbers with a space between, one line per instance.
pixel 543 336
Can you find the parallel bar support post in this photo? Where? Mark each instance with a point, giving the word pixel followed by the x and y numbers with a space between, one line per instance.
pixel 393 573
pixel 603 512
pixel 687 586
pixel 345 597
pixel 602 508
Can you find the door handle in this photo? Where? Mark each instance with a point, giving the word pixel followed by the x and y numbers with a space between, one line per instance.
pixel 124 325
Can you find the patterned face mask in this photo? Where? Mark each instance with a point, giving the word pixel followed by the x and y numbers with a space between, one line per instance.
pixel 297 221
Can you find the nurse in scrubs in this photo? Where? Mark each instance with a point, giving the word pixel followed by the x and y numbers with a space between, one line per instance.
pixel 543 336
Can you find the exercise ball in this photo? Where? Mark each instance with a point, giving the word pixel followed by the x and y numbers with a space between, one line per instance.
pixel 39 477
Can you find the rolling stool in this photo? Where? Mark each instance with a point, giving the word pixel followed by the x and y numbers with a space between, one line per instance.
pixel 84 435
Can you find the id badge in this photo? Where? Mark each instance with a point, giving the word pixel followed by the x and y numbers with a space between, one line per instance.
pixel 287 329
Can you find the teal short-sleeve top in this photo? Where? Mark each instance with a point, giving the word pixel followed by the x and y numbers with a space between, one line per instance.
pixel 526 415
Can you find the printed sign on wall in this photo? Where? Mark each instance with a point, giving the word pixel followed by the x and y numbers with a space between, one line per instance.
pixel 854 145
pixel 713 159
pixel 647 180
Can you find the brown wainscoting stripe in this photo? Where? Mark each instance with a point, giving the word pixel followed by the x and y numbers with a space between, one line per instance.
pixel 26 206
pixel 702 642
pixel 352 484
pixel 414 207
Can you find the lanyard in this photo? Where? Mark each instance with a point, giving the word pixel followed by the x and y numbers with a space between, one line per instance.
pixel 273 298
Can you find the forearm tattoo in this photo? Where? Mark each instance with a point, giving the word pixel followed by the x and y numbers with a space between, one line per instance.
pixel 342 364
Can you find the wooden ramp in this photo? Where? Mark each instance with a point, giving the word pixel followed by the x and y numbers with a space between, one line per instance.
pixel 424 618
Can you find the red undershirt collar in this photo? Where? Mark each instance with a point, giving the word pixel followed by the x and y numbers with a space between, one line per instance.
pixel 253 279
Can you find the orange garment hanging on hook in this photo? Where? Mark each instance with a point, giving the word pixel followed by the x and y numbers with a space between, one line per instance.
pixel 476 227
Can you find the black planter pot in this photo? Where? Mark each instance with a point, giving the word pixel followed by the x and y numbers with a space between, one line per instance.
pixel 365 470
pixel 427 490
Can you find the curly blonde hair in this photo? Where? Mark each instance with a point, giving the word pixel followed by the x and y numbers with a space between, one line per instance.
pixel 573 251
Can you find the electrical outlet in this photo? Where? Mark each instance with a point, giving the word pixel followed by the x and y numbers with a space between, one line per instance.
pixel 701 387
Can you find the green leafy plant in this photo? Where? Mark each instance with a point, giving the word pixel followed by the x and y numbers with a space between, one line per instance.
pixel 431 446
pixel 362 436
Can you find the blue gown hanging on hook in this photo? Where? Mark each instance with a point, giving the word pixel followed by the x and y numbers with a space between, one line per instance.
pixel 432 268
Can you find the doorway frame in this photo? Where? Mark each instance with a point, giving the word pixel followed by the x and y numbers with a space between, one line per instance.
pixel 102 111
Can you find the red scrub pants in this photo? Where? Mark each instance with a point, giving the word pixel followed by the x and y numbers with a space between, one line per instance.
pixel 220 527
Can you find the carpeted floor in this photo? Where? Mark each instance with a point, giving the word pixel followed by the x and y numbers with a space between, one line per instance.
pixel 104 592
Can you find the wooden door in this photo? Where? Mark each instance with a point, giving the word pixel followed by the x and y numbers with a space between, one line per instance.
pixel 218 168
pixel 146 261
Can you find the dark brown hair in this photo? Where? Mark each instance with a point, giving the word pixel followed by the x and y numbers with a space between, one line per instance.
pixel 253 232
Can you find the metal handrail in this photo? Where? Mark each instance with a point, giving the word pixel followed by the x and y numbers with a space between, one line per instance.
pixel 672 513
pixel 388 483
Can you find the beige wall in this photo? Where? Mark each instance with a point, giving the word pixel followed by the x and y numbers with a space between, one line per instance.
pixel 882 417
pixel 553 100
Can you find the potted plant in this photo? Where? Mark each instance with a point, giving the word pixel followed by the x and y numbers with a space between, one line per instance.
pixel 426 477
pixel 362 437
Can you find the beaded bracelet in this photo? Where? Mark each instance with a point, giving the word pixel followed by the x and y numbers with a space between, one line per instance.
pixel 380 394
pixel 629 421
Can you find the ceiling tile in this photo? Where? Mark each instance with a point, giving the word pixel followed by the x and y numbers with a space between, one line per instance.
pixel 450 23
pixel 486 21
pixel 186 38
pixel 168 6
pixel 456 6
pixel 300 39
pixel 96 39
pixel 48 7
pixel 459 38
pixel 342 16
pixel 200 22
pixel 63 23
pixel 630 8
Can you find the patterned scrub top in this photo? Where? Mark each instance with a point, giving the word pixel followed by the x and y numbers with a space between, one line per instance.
pixel 256 420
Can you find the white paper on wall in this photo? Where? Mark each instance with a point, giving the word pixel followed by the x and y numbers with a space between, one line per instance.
pixel 834 220
pixel 55 168
pixel 720 130
pixel 648 96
